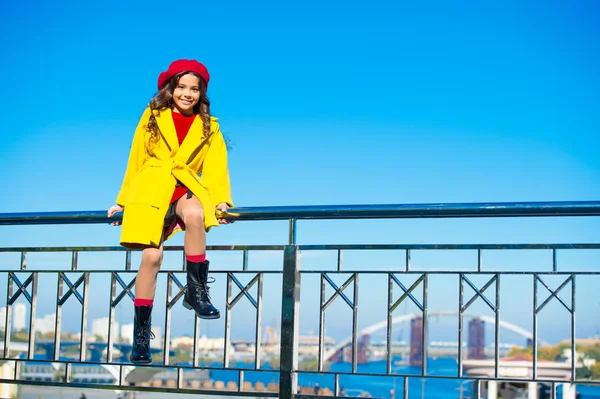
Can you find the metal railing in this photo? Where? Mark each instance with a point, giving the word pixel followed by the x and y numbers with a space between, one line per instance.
pixel 416 292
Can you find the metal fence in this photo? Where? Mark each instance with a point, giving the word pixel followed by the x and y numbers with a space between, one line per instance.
pixel 73 285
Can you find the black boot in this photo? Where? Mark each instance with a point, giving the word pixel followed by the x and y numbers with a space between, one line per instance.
pixel 196 295
pixel 142 333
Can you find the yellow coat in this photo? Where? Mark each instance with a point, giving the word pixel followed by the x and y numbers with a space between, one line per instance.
pixel 200 164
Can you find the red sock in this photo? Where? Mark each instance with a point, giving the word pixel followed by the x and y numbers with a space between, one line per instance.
pixel 196 258
pixel 143 302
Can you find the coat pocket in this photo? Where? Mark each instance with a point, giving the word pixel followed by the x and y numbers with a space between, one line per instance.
pixel 150 186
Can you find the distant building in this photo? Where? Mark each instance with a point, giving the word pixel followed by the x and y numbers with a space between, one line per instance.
pixel 182 342
pixel 309 344
pixel 204 343
pixel 158 340
pixel 579 357
pixel 100 328
pixel 2 319
pixel 476 339
pixel 515 369
pixel 127 333
pixel 19 316
pixel 416 342
pixel 46 324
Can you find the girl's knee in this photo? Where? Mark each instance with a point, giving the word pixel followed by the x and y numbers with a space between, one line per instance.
pixel 193 217
pixel 152 257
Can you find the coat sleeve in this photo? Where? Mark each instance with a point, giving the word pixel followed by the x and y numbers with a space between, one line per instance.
pixel 215 170
pixel 136 158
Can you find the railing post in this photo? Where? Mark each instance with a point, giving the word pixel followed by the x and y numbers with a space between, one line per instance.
pixel 290 311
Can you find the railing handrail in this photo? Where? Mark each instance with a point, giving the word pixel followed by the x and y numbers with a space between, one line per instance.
pixel 373 211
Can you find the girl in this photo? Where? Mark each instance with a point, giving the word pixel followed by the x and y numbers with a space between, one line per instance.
pixel 177 178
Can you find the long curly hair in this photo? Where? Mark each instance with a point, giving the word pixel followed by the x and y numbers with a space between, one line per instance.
pixel 164 99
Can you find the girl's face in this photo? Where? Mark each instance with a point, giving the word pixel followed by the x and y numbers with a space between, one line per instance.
pixel 186 94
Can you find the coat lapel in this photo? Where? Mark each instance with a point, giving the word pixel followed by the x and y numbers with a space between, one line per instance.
pixel 167 128
pixel 192 142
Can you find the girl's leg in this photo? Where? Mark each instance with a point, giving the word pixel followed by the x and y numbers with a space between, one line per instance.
pixel 145 282
pixel 190 211
pixel 145 287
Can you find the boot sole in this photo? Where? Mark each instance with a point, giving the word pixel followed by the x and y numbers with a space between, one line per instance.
pixel 141 361
pixel 189 307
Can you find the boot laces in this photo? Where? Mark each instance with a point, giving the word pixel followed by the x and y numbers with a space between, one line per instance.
pixel 143 333
pixel 203 289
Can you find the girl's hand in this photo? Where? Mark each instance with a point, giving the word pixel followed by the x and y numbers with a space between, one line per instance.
pixel 112 210
pixel 222 208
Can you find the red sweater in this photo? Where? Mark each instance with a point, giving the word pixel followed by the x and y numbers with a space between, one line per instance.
pixel 182 126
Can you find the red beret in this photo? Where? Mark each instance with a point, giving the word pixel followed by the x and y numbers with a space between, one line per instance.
pixel 183 66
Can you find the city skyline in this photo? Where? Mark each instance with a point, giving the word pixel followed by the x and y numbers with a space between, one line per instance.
pixel 99 331
pixel 98 328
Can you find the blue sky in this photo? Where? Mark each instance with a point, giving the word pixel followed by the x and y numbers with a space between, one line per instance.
pixel 325 103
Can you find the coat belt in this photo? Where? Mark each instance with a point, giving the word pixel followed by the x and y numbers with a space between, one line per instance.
pixel 189 178
pixel 180 170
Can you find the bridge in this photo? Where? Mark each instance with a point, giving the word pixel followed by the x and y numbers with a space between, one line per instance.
pixel 416 335
pixel 22 279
